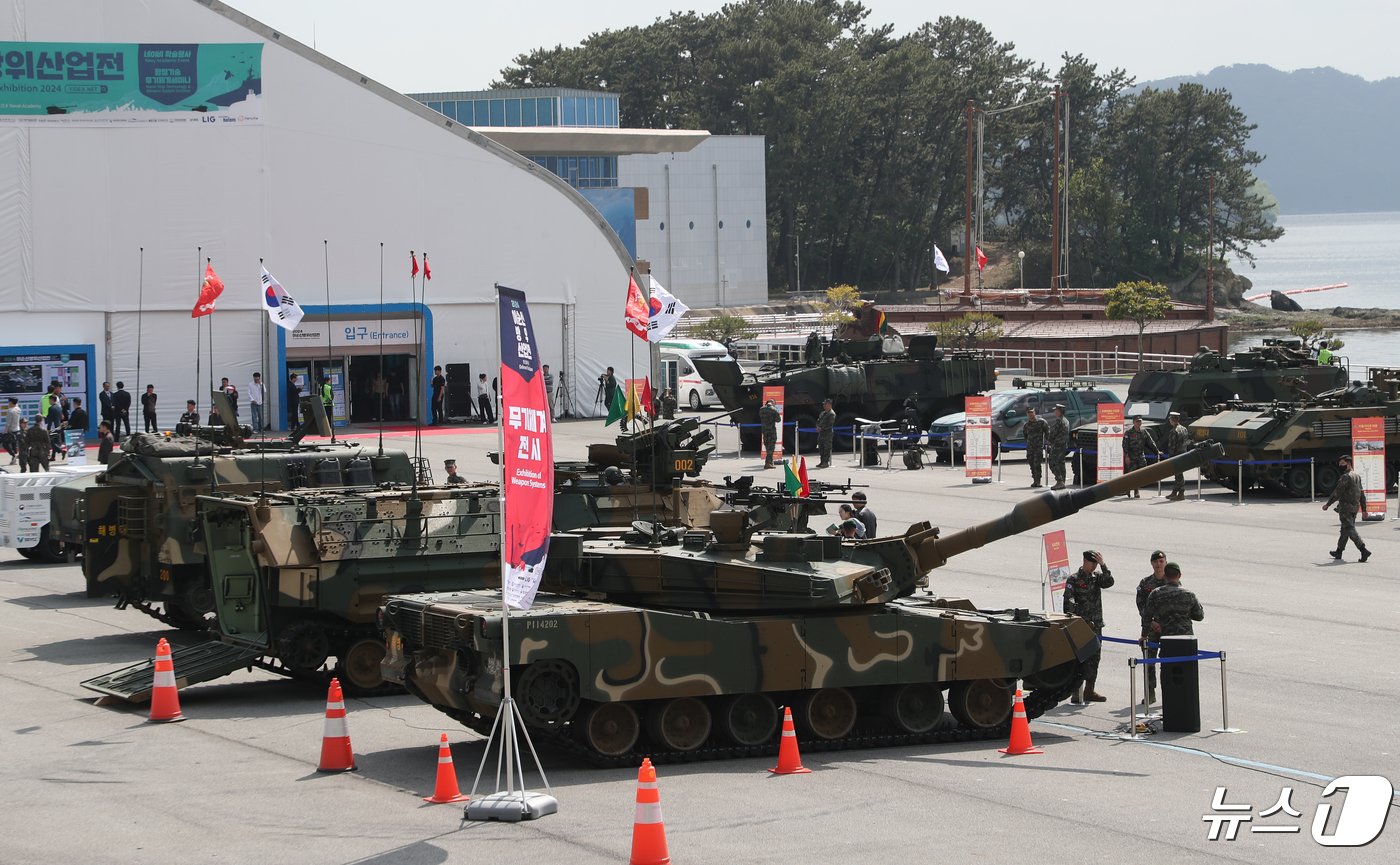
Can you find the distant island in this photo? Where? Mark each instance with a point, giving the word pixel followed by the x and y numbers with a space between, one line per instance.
pixel 1328 136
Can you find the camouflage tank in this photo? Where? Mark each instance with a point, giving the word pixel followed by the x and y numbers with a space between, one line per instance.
pixel 135 523
pixel 861 379
pixel 1277 370
pixel 683 644
pixel 1318 429
pixel 299 576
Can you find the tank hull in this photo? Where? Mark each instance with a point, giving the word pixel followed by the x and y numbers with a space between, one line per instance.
pixel 448 649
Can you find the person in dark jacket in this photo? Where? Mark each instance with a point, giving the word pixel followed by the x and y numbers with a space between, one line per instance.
pixel 121 409
pixel 37 438
pixel 148 409
pixel 104 443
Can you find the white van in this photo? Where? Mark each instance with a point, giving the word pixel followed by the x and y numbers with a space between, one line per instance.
pixel 678 373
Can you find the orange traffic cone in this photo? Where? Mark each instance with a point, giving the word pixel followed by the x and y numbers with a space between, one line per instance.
pixel 1020 730
pixel 446 789
pixel 789 761
pixel 648 829
pixel 165 699
pixel 336 753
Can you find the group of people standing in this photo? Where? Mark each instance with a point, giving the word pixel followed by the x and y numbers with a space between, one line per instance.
pixel 1165 609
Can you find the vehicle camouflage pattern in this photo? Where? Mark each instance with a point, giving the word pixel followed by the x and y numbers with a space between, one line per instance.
pixel 1268 437
pixel 682 644
pixel 1277 370
pixel 300 575
pixel 860 378
pixel 135 523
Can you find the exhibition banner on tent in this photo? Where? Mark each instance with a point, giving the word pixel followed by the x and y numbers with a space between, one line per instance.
pixel 119 83
pixel 1368 455
pixel 978 432
pixel 1110 441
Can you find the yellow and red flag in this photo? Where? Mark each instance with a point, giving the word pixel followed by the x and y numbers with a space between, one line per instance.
pixel 796 477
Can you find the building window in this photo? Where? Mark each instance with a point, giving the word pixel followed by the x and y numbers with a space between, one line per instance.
pixel 436 106
pixel 450 109
pixel 483 112
pixel 527 112
pixel 513 112
pixel 748 223
pixel 567 118
pixel 721 223
pixel 692 225
pixel 663 226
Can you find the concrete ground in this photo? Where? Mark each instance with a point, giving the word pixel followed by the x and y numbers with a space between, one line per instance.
pixel 1311 646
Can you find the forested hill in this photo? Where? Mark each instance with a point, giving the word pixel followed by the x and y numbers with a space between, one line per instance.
pixel 1328 137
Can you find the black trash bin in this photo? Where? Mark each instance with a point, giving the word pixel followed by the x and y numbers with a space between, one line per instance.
pixel 871 456
pixel 1181 686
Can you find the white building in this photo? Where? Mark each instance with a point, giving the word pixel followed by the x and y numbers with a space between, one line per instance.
pixel 117 182
pixel 706 232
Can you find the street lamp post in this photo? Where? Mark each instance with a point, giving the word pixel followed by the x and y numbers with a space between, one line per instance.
pixel 1021 259
pixel 797 246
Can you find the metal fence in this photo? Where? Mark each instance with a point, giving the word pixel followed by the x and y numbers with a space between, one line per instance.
pixel 1067 364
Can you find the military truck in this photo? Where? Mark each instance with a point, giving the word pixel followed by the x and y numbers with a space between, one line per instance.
pixel 136 522
pixel 1292 447
pixel 682 644
pixel 863 378
pixel 1277 370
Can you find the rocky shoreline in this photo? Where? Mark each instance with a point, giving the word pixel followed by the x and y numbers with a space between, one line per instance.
pixel 1253 317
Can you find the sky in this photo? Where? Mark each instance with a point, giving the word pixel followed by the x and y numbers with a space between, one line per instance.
pixel 426 45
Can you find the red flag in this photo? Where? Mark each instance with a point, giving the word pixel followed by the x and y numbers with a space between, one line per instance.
pixel 414 258
pixel 635 315
pixel 802 476
pixel 427 272
pixel 209 290
pixel 981 258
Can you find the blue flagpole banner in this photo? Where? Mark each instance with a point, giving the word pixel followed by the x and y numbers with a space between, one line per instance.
pixel 113 84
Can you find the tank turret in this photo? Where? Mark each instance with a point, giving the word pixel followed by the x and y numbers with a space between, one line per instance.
pixel 726 568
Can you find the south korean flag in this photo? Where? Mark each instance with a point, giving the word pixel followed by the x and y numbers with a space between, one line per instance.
pixel 665 311
pixel 281 308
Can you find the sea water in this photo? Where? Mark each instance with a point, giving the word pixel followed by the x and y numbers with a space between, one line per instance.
pixel 1360 249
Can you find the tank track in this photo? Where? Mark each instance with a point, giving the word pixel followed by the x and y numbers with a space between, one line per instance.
pixel 870 734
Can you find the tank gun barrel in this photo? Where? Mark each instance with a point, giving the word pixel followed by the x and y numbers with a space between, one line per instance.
pixel 933 551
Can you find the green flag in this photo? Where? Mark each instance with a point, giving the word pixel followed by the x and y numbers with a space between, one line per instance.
pixel 618 409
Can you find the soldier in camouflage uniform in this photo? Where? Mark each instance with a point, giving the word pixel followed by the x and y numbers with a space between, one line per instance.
pixel 1135 443
pixel 769 416
pixel 1177 441
pixel 1035 444
pixel 1171 609
pixel 1349 498
pixel 1149 584
pixel 1084 598
pixel 1057 445
pixel 826 425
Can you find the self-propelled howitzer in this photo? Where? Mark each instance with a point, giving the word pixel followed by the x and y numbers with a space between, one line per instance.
pixel 682 645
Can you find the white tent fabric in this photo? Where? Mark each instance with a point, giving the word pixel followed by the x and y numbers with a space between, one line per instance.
pixel 338 166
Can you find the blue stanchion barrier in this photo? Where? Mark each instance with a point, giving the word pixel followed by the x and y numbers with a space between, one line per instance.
pixel 1199 656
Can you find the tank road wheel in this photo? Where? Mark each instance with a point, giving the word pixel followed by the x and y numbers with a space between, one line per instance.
pixel 549 693
pixel 1298 480
pixel 980 704
pixel 749 719
pixel 695 402
pixel 303 647
pixel 682 724
pixel 827 714
pixel 915 707
pixel 358 667
pixel 611 729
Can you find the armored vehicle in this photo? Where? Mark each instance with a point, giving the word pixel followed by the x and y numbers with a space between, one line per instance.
pixel 136 523
pixel 1278 370
pixel 862 379
pixel 682 644
pixel 1271 438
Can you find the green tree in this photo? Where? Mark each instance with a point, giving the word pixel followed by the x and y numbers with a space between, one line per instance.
pixel 1138 302
pixel 840 305
pixel 1315 334
pixel 968 331
pixel 725 327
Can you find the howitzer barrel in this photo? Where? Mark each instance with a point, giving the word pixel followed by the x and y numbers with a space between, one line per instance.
pixel 1054 505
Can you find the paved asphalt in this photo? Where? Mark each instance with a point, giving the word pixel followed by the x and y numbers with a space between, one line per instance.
pixel 1312 674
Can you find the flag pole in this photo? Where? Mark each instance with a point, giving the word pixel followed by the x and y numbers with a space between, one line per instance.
pixel 330 352
pixel 140 312
pixel 418 363
pixel 512 803
pixel 198 333
pixel 381 384
pixel 209 262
